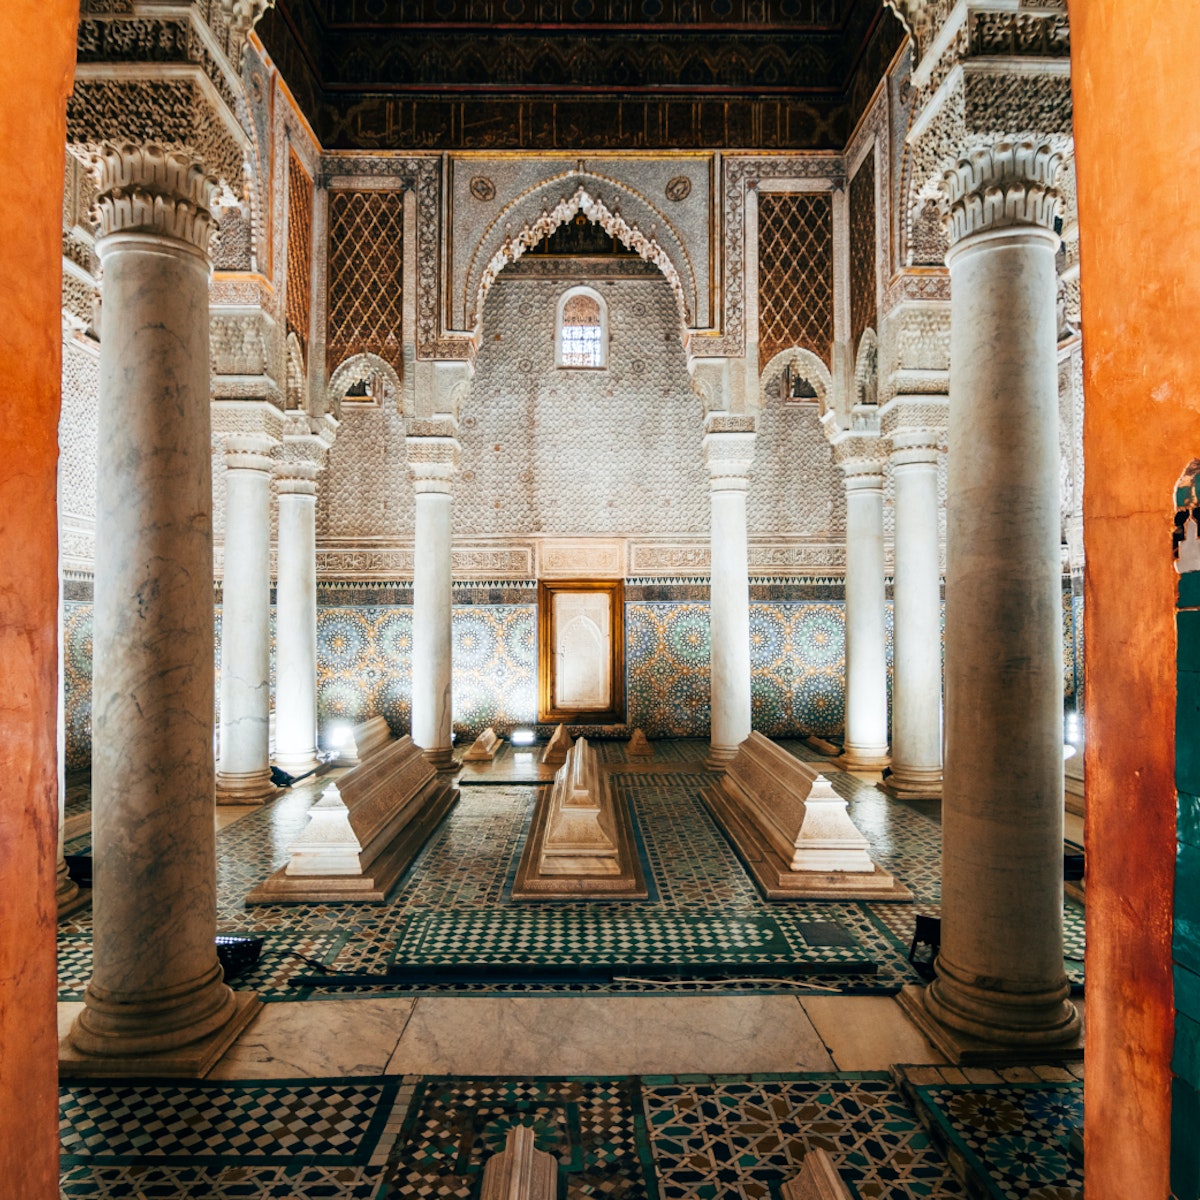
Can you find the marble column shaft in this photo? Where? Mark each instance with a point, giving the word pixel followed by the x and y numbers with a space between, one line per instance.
pixel 729 456
pixel 917 625
pixel 156 984
pixel 296 618
pixel 1000 974
pixel 866 742
pixel 244 766
pixel 433 462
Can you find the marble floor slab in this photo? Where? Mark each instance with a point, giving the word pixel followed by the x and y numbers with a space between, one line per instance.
pixel 867 1033
pixel 317 1039
pixel 669 1035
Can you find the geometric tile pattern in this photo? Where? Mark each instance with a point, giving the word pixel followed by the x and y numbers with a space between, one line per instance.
pixel 217 1141
pixel 742 1138
pixel 1013 1137
pixel 77 683
pixel 590 1126
pixel 795 273
pixel 364 667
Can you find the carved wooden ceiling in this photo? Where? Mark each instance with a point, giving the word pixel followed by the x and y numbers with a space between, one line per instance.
pixel 581 74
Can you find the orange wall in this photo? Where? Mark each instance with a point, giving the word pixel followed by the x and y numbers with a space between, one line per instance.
pixel 1137 143
pixel 35 76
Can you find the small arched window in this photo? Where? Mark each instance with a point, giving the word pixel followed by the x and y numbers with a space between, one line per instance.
pixel 582 330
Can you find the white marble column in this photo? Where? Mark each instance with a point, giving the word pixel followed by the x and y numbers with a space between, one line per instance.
pixel 860 457
pixel 729 456
pixel 250 430
pixel 916 596
pixel 1000 977
pixel 156 1002
pixel 296 592
pixel 433 460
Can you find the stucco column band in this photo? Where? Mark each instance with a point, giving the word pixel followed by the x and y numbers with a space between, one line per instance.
pixel 156 1001
pixel 866 744
pixel 432 461
pixel 244 766
pixel 917 637
pixel 1000 975
pixel 729 455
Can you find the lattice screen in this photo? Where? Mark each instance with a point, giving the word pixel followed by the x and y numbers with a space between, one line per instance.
pixel 299 250
pixel 795 273
pixel 366 276
pixel 862 250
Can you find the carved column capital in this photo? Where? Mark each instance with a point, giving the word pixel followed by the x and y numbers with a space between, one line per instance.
pixel 432 461
pixel 249 432
pixel 1001 185
pixel 144 187
pixel 915 427
pixel 861 457
pixel 728 451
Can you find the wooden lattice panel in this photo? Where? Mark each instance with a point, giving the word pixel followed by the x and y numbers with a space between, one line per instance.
pixel 795 273
pixel 299 250
pixel 366 276
pixel 862 250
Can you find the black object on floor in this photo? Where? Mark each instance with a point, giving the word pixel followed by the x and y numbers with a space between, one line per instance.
pixel 79 867
pixel 1072 867
pixel 237 953
pixel 928 933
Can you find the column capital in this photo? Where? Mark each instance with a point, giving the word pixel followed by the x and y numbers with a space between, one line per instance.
pixel 145 187
pixel 861 457
pixel 916 428
pixel 1008 183
pixel 432 457
pixel 306 443
pixel 249 431
pixel 728 446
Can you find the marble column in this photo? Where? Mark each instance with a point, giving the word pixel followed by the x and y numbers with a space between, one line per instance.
pixel 156 1002
pixel 296 593
pixel 1000 978
pixel 433 460
pixel 250 430
pixel 729 456
pixel 861 457
pixel 916 597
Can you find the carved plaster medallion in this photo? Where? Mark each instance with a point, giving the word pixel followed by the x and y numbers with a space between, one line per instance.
pixel 483 189
pixel 678 188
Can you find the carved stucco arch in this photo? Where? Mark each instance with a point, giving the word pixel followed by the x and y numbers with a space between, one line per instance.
pixel 866 369
pixel 614 206
pixel 803 362
pixel 295 376
pixel 359 366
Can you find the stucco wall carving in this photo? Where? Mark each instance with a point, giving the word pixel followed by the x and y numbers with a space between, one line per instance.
pixel 77 434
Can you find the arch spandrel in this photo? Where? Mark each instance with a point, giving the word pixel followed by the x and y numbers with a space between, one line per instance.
pixel 536 213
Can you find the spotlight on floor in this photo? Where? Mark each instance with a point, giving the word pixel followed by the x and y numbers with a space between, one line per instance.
pixel 522 737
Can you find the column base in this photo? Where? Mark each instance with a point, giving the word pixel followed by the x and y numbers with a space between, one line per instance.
pixel 867 760
pixel 297 764
pixel 719 757
pixel 442 759
pixel 192 1061
pixel 68 896
pixel 913 785
pixel 961 1049
pixel 247 787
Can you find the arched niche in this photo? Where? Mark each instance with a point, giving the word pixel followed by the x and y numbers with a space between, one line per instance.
pixel 617 209
pixel 801 375
pixel 363 381
pixel 866 369
pixel 581 330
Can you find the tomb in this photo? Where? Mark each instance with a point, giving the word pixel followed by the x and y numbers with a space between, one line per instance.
pixel 364 831
pixel 639 746
pixel 818 1180
pixel 364 740
pixel 484 747
pixel 581 839
pixel 520 1171
pixel 555 753
pixel 792 830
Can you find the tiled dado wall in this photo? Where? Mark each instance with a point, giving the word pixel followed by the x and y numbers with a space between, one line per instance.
pixel 364 648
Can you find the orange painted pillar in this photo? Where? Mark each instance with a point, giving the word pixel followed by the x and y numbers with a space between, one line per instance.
pixel 35 77
pixel 1137 145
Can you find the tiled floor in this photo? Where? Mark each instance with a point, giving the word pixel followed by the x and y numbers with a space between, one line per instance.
pixel 404 1090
